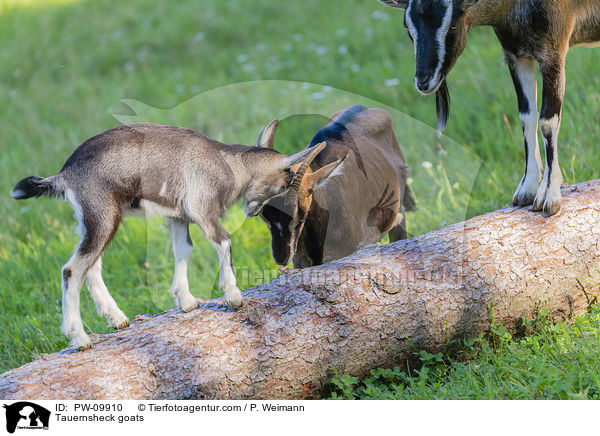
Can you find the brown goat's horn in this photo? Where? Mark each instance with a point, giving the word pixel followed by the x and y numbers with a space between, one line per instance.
pixel 304 167
pixel 299 176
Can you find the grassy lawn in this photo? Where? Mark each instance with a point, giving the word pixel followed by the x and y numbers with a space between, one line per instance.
pixel 71 69
pixel 554 361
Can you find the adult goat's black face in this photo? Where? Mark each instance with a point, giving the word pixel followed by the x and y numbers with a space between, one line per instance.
pixel 438 29
pixel 279 216
pixel 435 27
pixel 287 214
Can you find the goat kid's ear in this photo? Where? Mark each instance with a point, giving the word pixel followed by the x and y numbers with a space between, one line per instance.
pixel 266 136
pixel 306 155
pixel 395 3
pixel 322 175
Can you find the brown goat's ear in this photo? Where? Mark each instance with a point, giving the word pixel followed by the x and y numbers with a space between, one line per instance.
pixel 395 3
pixel 323 174
pixel 266 136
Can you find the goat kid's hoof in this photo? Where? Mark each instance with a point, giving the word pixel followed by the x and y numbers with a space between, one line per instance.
pixel 82 345
pixel 235 301
pixel 121 325
pixel 188 306
pixel 119 322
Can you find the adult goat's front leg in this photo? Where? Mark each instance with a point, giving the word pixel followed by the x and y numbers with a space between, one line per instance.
pixel 220 239
pixel 548 196
pixel 522 71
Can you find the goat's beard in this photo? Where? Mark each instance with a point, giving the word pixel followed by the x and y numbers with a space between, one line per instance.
pixel 442 106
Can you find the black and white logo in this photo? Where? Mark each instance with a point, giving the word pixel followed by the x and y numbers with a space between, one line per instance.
pixel 26 415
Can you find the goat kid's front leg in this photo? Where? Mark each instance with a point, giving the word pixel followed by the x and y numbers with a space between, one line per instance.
pixel 182 249
pixel 220 239
pixel 522 71
pixel 548 196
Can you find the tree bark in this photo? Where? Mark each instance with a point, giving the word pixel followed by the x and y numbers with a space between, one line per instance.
pixel 372 309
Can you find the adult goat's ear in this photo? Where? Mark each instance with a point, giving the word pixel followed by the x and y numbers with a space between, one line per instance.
pixel 323 174
pixel 266 136
pixel 403 4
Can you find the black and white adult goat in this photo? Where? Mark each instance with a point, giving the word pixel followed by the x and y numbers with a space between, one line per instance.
pixel 322 217
pixel 529 31
pixel 152 169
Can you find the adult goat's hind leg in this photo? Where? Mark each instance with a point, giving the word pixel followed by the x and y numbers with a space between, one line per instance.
pixel 97 227
pixel 105 304
pixel 182 248
pixel 522 71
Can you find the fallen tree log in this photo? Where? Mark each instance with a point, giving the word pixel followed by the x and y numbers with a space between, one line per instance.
pixel 372 309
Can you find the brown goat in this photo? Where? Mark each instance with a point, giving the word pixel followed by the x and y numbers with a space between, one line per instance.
pixel 352 193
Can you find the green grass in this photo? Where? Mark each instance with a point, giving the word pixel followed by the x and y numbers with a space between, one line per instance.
pixel 226 69
pixel 555 361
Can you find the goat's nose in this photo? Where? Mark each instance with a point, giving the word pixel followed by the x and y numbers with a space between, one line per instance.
pixel 423 80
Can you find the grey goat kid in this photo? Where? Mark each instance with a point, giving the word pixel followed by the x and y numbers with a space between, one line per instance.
pixel 349 196
pixel 151 169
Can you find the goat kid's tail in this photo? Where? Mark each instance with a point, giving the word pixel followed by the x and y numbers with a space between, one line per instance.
pixel 35 186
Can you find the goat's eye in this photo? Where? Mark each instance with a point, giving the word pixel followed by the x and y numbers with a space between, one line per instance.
pixel 453 27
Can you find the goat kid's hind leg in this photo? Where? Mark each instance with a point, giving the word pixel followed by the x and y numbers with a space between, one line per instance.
pixel 105 304
pixel 522 71
pixel 72 279
pixel 220 239
pixel 182 249
pixel 548 196
pixel 95 237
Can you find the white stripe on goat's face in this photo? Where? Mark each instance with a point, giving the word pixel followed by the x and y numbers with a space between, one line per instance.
pixel 428 22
